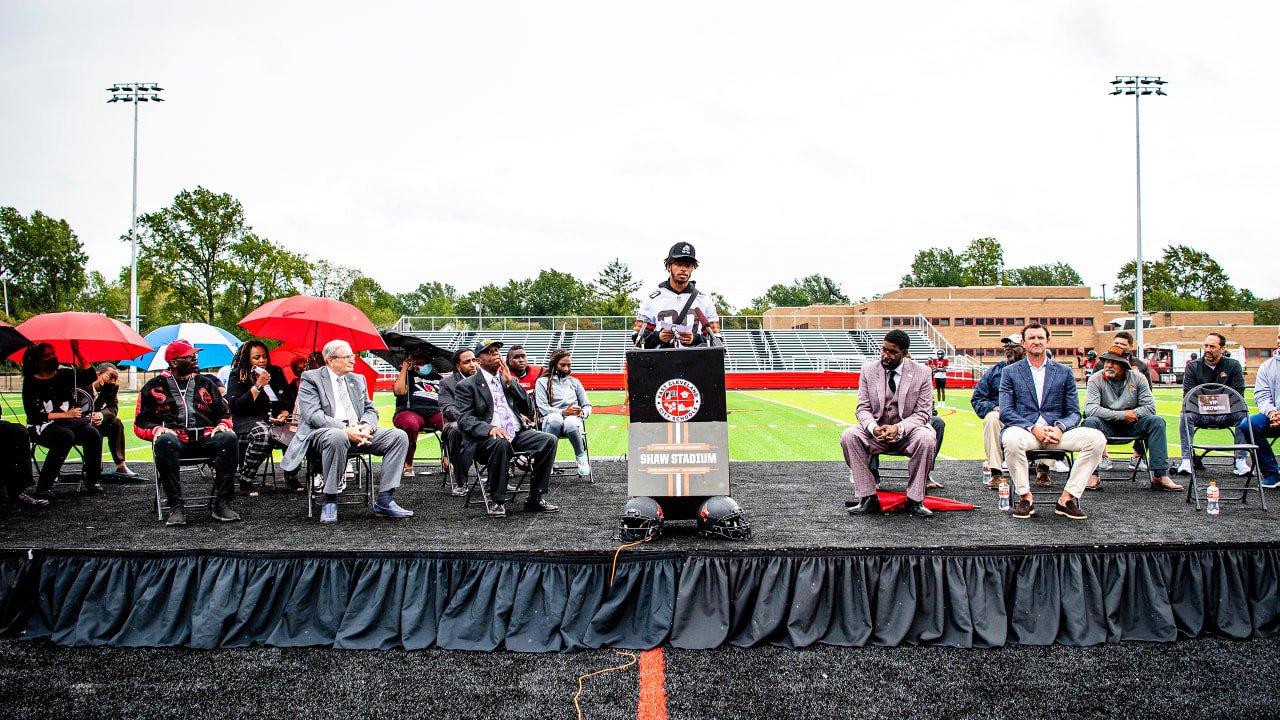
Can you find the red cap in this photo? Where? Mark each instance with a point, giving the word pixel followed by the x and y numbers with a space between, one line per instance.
pixel 179 348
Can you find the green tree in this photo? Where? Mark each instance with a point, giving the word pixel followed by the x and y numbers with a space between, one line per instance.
pixel 43 263
pixel 1053 274
pixel 261 271
pixel 556 293
pixel 330 280
pixel 810 290
pixel 431 299
pixel 376 303
pixel 981 262
pixel 934 267
pixel 615 290
pixel 1182 279
pixel 102 295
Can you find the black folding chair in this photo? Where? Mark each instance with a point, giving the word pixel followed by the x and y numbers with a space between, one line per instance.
pixel 571 469
pixel 1037 458
pixel 1216 399
pixel 519 469
pixel 1139 448
pixel 202 465
pixel 358 486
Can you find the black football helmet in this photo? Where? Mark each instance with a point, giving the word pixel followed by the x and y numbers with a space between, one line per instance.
pixel 721 516
pixel 641 519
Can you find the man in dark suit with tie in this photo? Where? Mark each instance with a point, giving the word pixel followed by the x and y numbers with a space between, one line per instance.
pixel 895 405
pixel 336 416
pixel 1040 409
pixel 490 407
pixel 464 366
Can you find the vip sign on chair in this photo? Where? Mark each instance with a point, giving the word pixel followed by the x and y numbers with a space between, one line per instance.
pixel 678 441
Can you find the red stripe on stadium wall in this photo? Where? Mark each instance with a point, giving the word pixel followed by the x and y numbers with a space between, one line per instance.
pixel 653 686
pixel 765 381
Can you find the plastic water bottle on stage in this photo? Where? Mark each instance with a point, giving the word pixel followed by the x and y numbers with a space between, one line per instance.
pixel 1211 499
pixel 1004 495
pixel 986 473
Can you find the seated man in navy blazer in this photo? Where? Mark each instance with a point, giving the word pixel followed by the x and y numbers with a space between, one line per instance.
pixel 1040 409
pixel 336 416
pixel 490 406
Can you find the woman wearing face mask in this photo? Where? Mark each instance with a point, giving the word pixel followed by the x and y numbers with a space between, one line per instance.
pixel 563 405
pixel 417 391
pixel 260 401
pixel 57 419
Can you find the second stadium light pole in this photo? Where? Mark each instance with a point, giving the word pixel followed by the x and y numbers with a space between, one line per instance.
pixel 1137 86
pixel 136 93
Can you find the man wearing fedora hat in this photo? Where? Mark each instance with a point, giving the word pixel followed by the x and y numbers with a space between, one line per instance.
pixel 493 412
pixel 1118 402
pixel 677 314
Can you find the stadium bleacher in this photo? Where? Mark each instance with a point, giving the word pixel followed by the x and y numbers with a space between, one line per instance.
pixel 604 351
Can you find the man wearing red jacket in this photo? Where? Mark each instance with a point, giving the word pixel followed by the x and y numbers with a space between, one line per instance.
pixel 182 414
pixel 524 373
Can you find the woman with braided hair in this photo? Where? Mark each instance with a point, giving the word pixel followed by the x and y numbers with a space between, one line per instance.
pixel 260 402
pixel 563 405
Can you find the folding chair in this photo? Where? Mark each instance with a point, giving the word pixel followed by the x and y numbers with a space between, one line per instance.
pixel 357 488
pixel 1053 456
pixel 1139 447
pixel 571 469
pixel 1215 399
pixel 65 477
pixel 203 466
pixel 517 474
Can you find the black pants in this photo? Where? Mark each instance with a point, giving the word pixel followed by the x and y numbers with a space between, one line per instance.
pixel 15 457
pixel 223 446
pixel 496 454
pixel 453 448
pixel 59 437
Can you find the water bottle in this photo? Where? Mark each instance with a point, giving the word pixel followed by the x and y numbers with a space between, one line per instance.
pixel 1211 499
pixel 986 473
pixel 1004 495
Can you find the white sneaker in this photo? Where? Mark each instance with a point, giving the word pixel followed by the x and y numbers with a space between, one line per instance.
pixel 317 483
pixel 1004 469
pixel 1184 468
pixel 1242 467
pixel 584 468
pixel 1105 463
pixel 1061 467
pixel 1137 464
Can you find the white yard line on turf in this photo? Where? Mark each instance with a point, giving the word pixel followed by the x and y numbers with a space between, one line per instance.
pixel 837 421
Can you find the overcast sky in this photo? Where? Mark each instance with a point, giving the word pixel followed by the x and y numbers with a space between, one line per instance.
pixel 471 142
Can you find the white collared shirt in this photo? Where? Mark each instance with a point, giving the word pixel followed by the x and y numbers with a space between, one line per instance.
pixel 1037 378
pixel 338 386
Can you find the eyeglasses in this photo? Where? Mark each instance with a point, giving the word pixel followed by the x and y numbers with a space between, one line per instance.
pixel 344 357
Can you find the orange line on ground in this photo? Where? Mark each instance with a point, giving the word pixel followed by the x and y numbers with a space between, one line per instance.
pixel 653 682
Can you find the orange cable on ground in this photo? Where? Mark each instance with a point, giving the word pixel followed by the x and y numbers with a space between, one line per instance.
pixel 634 659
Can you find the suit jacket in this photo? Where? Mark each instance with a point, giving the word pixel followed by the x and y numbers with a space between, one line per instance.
pixel 448 396
pixel 914 397
pixel 1018 404
pixel 316 406
pixel 474 403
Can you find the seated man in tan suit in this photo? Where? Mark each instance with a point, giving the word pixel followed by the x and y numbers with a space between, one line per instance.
pixel 895 404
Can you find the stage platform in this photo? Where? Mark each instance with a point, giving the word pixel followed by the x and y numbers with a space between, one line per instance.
pixel 1145 565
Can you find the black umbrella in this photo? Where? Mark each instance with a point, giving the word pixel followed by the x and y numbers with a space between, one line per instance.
pixel 400 347
pixel 11 340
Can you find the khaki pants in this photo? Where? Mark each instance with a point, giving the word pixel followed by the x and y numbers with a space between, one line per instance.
pixel 1086 443
pixel 991 427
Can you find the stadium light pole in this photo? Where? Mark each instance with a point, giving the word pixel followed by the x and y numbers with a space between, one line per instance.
pixel 1137 86
pixel 135 93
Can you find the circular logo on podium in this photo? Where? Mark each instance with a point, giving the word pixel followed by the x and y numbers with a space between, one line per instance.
pixel 678 400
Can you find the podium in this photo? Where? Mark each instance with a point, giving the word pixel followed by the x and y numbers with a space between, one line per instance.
pixel 678 440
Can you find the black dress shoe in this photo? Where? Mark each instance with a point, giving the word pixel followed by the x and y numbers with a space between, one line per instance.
pixel 870 505
pixel 92 488
pixel 26 500
pixel 916 508
pixel 541 505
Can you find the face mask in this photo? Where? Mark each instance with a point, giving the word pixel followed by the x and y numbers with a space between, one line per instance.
pixel 426 370
pixel 562 374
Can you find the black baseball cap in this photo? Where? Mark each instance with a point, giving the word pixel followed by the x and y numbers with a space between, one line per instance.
pixel 682 250
pixel 485 345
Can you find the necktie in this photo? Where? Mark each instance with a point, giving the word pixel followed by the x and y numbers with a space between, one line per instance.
pixel 347 406
pixel 893 382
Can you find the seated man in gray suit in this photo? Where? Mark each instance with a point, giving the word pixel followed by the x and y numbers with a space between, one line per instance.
pixel 895 405
pixel 335 415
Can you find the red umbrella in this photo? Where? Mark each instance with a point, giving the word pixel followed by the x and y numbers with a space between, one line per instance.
pixel 284 355
pixel 311 322
pixel 891 501
pixel 100 337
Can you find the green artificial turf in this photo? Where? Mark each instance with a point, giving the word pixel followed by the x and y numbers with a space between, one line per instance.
pixel 763 424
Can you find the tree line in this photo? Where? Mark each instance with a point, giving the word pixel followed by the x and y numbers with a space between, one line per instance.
pixel 200 260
